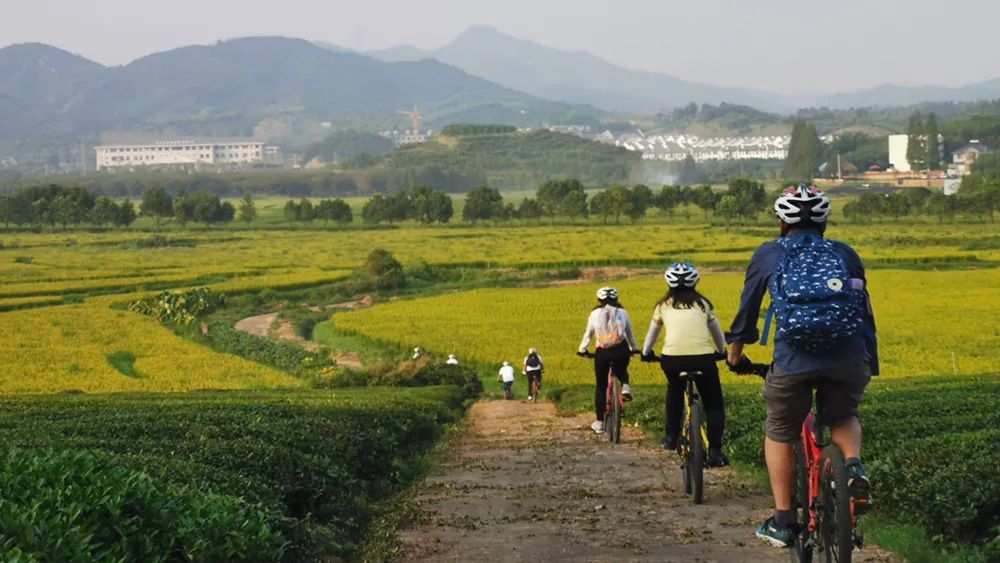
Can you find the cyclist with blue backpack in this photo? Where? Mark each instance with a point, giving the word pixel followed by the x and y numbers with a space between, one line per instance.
pixel 824 339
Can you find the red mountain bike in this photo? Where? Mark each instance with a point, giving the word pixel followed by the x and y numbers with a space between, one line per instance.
pixel 614 408
pixel 824 508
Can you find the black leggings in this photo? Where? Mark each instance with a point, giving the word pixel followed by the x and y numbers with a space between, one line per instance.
pixel 709 388
pixel 604 359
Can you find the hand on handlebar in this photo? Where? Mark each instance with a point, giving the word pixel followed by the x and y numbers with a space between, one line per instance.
pixel 584 354
pixel 747 367
pixel 650 358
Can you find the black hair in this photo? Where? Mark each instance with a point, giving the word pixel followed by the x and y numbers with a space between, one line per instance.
pixel 612 302
pixel 686 298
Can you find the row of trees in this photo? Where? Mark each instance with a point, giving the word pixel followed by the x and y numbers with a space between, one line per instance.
pixel 336 210
pixel 201 207
pixel 423 204
pixel 975 199
pixel 744 199
pixel 52 205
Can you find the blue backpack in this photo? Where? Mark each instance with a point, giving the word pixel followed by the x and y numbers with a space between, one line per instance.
pixel 817 304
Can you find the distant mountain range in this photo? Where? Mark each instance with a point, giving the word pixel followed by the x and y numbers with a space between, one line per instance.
pixel 574 77
pixel 484 76
pixel 229 87
pixel 580 77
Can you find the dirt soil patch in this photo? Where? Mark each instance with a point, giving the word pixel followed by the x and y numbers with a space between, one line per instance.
pixel 526 484
pixel 259 325
pixel 590 275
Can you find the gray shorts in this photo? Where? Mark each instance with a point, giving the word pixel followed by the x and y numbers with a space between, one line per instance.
pixel 789 398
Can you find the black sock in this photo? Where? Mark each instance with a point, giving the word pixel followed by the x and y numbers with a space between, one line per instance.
pixel 852 461
pixel 784 518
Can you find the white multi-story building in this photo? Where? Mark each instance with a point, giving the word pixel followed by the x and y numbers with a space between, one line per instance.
pixel 678 147
pixel 181 154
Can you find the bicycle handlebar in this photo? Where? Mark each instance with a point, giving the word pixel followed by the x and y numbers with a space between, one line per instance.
pixel 747 367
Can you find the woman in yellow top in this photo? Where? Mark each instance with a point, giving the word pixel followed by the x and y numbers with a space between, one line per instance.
pixel 693 342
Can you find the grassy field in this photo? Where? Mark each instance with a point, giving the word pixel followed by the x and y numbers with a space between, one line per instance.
pixel 63 320
pixel 90 272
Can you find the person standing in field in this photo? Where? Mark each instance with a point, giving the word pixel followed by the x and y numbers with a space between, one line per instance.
pixel 533 368
pixel 506 376
pixel 824 339
pixel 693 342
pixel 452 360
pixel 609 325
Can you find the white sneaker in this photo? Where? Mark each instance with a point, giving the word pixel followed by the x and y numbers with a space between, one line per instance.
pixel 597 426
pixel 627 392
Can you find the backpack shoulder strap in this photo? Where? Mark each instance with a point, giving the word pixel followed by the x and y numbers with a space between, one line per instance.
pixel 784 243
pixel 767 324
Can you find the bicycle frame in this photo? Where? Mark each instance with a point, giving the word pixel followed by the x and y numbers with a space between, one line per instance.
pixel 534 383
pixel 690 395
pixel 610 391
pixel 811 451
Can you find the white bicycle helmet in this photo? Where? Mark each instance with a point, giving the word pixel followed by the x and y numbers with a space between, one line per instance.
pixel 606 293
pixel 802 202
pixel 532 350
pixel 682 274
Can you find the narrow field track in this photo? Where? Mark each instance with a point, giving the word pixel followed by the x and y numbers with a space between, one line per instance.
pixel 525 483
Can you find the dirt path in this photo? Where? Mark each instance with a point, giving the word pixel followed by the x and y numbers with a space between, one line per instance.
pixel 259 325
pixel 524 483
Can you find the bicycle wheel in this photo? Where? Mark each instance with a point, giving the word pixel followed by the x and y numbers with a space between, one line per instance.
pixel 683 447
pixel 534 391
pixel 834 520
pixel 615 434
pixel 696 456
pixel 802 550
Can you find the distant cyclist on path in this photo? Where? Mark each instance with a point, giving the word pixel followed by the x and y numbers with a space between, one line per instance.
pixel 693 342
pixel 533 368
pixel 824 339
pixel 609 325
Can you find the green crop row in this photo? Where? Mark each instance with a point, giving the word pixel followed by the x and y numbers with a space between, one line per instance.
pixel 309 466
pixel 929 447
pixel 284 356
pixel 80 506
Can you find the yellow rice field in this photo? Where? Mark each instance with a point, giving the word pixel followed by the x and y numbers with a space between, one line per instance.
pixel 926 327
pixel 52 347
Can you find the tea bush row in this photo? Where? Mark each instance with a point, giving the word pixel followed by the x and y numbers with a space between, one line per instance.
pixel 321 460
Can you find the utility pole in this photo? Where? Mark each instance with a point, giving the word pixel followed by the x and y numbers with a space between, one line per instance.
pixel 840 174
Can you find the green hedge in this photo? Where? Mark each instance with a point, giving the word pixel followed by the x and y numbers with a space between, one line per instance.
pixel 322 460
pixel 286 356
pixel 79 506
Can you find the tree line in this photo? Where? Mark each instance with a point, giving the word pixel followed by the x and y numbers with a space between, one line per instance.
pixel 975 199
pixel 742 201
pixel 47 206
pixel 567 198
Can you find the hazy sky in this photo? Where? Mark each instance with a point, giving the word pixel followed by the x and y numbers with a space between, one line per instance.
pixel 788 46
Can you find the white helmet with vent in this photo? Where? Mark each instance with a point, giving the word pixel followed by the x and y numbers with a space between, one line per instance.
pixel 682 274
pixel 802 203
